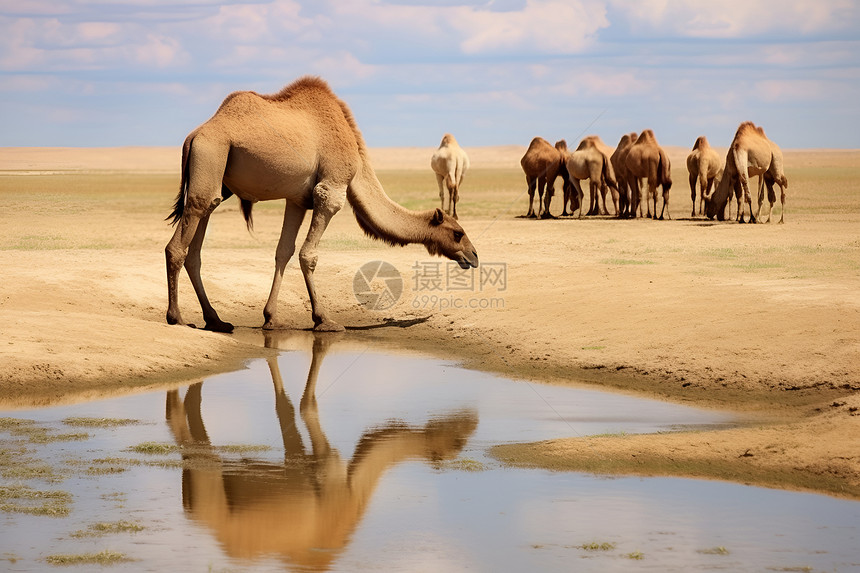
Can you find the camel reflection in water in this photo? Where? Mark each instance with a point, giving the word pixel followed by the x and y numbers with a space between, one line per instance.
pixel 306 509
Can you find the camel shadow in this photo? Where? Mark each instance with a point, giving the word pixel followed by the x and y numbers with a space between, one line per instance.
pixel 306 509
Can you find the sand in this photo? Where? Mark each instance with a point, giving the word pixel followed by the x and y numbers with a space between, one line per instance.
pixel 763 320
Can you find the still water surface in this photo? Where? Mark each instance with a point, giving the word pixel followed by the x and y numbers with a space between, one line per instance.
pixel 351 459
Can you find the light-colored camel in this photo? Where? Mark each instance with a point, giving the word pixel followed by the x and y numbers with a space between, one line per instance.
pixel 301 145
pixel 591 160
pixel 703 165
pixel 619 164
pixel 542 164
pixel 647 160
pixel 450 164
pixel 306 509
pixel 751 154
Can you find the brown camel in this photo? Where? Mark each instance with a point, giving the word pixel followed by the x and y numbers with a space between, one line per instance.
pixel 619 164
pixel 647 160
pixel 306 509
pixel 703 165
pixel 751 154
pixel 591 161
pixel 450 163
pixel 301 145
pixel 542 163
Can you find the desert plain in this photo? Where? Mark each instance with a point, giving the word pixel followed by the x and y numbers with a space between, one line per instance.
pixel 762 320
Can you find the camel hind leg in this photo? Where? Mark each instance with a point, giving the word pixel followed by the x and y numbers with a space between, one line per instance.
pixel 192 267
pixel 532 183
pixel 440 182
pixel 203 195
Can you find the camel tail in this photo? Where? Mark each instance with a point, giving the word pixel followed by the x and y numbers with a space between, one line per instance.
pixel 664 169
pixel 179 204
pixel 609 173
pixel 247 208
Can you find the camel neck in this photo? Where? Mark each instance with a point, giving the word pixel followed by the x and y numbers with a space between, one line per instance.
pixel 379 216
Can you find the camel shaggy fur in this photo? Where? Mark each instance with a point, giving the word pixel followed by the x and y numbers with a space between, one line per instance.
pixel 300 145
pixel 647 160
pixel 703 165
pixel 619 164
pixel 542 164
pixel 591 160
pixel 751 154
pixel 450 164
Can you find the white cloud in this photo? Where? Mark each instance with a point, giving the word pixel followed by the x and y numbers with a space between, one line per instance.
pixel 540 26
pixel 738 18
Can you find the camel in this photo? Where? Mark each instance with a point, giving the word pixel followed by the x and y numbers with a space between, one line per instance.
pixel 306 509
pixel 703 165
pixel 542 164
pixel 619 164
pixel 301 145
pixel 591 161
pixel 751 154
pixel 450 164
pixel 646 159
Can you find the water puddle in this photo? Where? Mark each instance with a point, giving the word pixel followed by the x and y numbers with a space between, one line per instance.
pixel 343 458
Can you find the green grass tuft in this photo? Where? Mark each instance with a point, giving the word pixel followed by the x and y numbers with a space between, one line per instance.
pixel 105 557
pixel 595 546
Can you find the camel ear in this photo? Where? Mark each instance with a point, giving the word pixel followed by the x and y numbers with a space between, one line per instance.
pixel 438 217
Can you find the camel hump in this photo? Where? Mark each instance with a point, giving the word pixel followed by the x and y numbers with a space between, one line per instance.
pixel 647 135
pixel 447 140
pixel 701 143
pixel 589 142
pixel 750 127
pixel 561 145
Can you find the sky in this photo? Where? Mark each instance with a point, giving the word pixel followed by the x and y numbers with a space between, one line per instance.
pixel 94 73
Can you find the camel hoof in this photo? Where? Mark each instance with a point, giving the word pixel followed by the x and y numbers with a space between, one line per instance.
pixel 219 326
pixel 328 326
pixel 268 325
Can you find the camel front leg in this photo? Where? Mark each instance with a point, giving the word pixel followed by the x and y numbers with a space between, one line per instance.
pixel 550 191
pixel 327 202
pixel 293 217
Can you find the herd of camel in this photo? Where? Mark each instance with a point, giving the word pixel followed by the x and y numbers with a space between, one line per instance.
pixel 622 171
pixel 302 145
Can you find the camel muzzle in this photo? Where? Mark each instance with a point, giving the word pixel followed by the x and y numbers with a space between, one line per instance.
pixel 467 261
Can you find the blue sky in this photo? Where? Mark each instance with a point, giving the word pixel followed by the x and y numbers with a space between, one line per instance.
pixel 94 73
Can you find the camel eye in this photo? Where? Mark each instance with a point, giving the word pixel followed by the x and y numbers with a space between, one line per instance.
pixel 458 236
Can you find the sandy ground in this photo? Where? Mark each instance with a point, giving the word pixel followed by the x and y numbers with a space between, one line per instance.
pixel 763 320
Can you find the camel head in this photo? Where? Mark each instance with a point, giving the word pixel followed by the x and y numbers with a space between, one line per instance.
pixel 716 201
pixel 447 238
